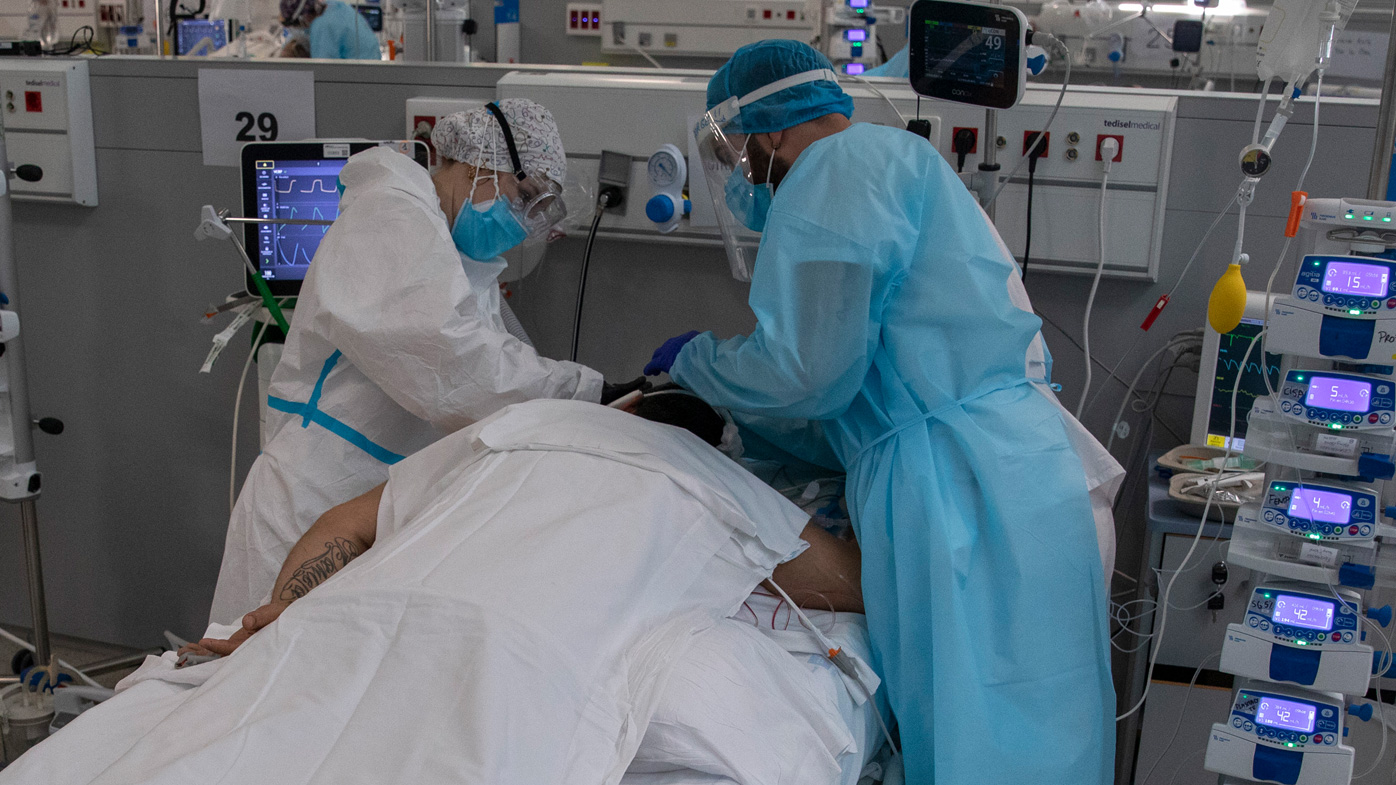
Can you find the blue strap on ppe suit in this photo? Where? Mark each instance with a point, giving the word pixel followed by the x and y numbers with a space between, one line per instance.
pixel 881 295
pixel 341 33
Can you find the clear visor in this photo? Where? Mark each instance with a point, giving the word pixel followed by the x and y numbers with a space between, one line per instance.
pixel 722 153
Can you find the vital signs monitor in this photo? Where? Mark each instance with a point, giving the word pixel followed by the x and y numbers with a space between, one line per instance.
pixel 1217 378
pixel 968 52
pixel 296 181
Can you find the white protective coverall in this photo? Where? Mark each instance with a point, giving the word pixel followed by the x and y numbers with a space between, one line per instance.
pixel 393 346
pixel 535 580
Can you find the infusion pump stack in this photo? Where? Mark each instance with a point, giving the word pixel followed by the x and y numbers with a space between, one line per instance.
pixel 1321 536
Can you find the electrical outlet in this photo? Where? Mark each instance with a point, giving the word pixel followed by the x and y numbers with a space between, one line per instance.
pixel 584 19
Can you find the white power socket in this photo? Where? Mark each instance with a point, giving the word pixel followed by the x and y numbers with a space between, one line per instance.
pixel 584 19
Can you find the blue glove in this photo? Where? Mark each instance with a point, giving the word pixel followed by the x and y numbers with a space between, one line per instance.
pixel 665 355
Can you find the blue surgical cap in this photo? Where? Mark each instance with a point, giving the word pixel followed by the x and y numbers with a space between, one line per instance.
pixel 756 65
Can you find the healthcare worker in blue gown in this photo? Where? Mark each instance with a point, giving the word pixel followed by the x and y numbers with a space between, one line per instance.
pixel 889 311
pixel 899 65
pixel 332 30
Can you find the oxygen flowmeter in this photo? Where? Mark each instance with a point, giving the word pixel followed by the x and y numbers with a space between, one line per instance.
pixel 668 173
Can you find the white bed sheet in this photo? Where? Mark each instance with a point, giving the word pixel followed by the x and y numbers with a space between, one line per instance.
pixel 514 623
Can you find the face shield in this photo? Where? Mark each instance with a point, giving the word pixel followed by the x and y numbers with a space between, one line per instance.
pixel 740 202
pixel 722 151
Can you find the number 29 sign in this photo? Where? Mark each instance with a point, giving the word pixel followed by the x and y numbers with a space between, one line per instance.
pixel 237 106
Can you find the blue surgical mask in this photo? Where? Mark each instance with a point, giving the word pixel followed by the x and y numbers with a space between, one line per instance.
pixel 487 230
pixel 749 203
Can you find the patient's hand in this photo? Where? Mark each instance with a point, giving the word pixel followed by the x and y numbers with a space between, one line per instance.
pixel 251 623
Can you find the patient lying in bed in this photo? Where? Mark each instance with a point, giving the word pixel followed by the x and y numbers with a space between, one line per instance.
pixel 508 608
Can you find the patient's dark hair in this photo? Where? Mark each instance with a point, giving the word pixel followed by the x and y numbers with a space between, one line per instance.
pixel 673 405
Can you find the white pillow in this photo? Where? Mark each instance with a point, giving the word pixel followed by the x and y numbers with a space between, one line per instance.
pixel 739 706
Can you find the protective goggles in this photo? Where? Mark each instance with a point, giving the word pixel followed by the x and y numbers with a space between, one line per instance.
pixel 538 207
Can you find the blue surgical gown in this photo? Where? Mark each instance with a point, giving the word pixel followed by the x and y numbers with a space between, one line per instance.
pixel 899 65
pixel 341 33
pixel 881 295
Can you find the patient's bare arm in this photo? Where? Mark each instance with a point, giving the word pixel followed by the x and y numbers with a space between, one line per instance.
pixel 829 573
pixel 336 539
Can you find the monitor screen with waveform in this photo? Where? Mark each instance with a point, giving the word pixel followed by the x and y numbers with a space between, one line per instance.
pixel 294 190
pixel 1231 350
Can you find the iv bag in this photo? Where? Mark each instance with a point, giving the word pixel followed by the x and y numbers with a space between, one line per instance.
pixel 1290 42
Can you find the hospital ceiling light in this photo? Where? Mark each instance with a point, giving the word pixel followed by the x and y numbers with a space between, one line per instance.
pixel 1224 8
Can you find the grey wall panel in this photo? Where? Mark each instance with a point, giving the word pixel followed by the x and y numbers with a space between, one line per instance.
pixel 134 497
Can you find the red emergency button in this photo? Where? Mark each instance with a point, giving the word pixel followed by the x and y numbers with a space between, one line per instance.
pixel 1372 417
pixel 33 101
pixel 1337 636
pixel 1391 303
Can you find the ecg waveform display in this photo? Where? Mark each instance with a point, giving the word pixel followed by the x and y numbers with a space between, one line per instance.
pixel 294 190
pixel 1230 352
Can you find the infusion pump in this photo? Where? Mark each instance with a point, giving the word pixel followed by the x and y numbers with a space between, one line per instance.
pixel 1321 536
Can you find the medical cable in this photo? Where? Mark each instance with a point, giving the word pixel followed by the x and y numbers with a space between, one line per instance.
pixel 884 97
pixel 1027 239
pixel 1174 342
pixel 1108 148
pixel 1184 762
pixel 1069 338
pixel 1259 340
pixel 1163 300
pixel 1065 53
pixel 1181 713
pixel 26 645
pixel 1260 111
pixel 608 198
pixel 1192 548
pixel 237 410
pixel 1383 665
pixel 842 661
pixel 647 56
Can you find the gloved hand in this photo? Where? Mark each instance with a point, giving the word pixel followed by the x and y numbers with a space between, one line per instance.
pixel 610 392
pixel 665 355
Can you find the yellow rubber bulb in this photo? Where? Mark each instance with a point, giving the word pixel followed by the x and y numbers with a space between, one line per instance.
pixel 1227 304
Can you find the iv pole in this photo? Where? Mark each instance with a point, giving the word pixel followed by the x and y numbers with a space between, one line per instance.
pixel 22 482
pixel 1386 126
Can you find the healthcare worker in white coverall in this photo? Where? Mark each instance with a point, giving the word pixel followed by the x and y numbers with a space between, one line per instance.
pixel 398 336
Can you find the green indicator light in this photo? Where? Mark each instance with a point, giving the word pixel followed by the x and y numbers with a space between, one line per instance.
pixel 1267 595
pixel 1300 378
pixel 1349 216
pixel 1354 312
pixel 1289 744
pixel 1316 264
pixel 1386 218
pixel 1366 217
pixel 1336 426
pixel 1302 643
pixel 1315 536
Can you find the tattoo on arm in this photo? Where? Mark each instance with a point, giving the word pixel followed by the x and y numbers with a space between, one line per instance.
pixel 316 569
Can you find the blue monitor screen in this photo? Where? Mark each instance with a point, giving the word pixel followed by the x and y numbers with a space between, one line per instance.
pixel 296 190
pixel 1231 351
pixel 193 31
